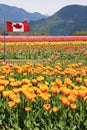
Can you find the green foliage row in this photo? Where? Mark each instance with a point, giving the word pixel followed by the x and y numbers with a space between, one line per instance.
pixel 80 33
pixel 46 54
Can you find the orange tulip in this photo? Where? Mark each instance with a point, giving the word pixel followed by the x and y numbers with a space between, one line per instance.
pixel 34 81
pixel 6 93
pixel 11 74
pixel 45 96
pixel 78 80
pixel 82 93
pixel 11 80
pixel 55 90
pixel 12 96
pixel 11 104
pixel 25 81
pixel 1 88
pixel 64 100
pixel 40 78
pixel 85 98
pixel 2 77
pixel 27 108
pixel 73 106
pixel 44 88
pixel 55 109
pixel 4 82
pixel 46 106
pixel 24 74
pixel 16 100
pixel 72 98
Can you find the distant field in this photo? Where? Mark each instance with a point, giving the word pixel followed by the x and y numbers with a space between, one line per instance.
pixel 42 38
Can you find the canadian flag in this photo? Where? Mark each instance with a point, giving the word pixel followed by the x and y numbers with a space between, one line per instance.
pixel 17 27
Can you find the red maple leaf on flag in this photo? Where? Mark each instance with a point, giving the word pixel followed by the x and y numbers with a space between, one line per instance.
pixel 17 25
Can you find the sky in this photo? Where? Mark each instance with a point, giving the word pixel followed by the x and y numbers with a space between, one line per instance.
pixel 47 7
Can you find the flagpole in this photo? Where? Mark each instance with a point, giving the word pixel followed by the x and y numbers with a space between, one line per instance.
pixel 4 41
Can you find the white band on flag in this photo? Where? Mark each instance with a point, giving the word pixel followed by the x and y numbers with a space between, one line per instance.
pixel 18 27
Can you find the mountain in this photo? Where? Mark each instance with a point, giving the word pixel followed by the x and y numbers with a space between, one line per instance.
pixel 12 13
pixel 66 21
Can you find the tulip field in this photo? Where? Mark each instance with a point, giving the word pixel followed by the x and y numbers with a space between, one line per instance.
pixel 43 83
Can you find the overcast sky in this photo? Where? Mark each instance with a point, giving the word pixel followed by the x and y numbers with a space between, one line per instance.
pixel 42 6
